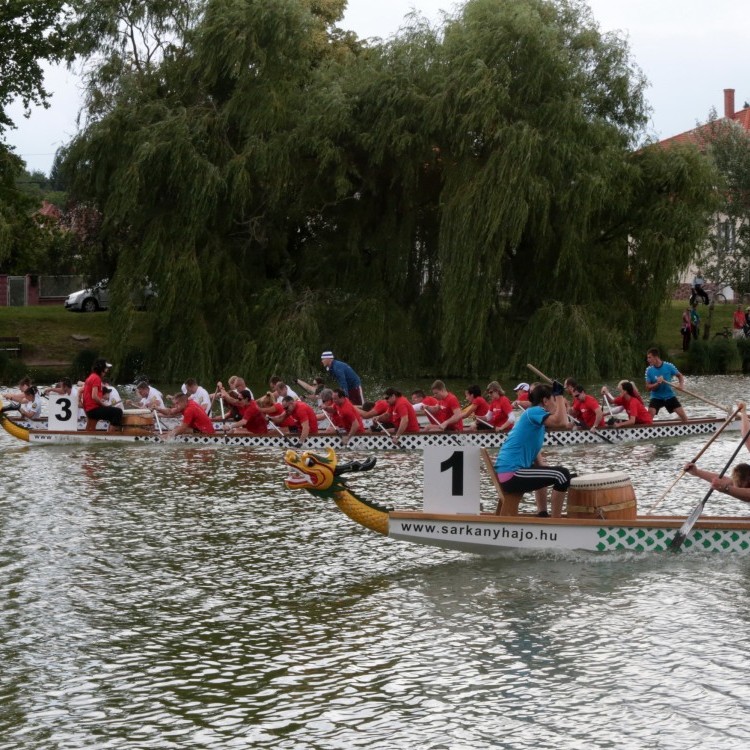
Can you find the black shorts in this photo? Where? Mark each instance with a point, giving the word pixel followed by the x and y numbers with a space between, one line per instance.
pixel 111 414
pixel 528 480
pixel 670 404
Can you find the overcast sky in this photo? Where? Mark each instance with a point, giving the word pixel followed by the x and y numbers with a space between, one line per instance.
pixel 690 51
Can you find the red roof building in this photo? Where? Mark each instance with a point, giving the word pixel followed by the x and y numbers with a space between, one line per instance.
pixel 698 135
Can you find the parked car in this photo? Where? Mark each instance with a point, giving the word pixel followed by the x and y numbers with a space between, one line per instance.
pixel 97 298
pixel 89 300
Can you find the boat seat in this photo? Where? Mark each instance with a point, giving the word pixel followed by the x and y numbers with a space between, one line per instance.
pixel 508 504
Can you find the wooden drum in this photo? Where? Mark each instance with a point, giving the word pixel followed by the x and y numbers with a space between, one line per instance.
pixel 135 420
pixel 609 495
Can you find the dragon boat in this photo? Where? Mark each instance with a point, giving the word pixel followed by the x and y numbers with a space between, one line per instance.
pixel 601 517
pixel 140 427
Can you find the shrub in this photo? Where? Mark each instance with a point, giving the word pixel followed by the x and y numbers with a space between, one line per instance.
pixel 699 358
pixel 80 368
pixel 723 355
pixel 743 349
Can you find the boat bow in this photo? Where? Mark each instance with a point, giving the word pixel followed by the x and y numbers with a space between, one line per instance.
pixel 321 476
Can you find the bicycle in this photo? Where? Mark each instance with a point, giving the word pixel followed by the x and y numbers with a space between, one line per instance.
pixel 718 297
pixel 728 333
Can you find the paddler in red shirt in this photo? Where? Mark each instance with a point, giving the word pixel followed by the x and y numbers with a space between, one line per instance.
pixel 348 416
pixel 252 419
pixel 401 414
pixel 479 407
pixel 303 416
pixel 194 417
pixel 586 408
pixel 446 416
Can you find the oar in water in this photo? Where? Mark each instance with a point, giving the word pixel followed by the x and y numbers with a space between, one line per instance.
pixel 678 387
pixel 690 521
pixel 713 437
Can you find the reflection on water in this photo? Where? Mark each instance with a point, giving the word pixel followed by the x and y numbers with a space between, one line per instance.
pixel 179 597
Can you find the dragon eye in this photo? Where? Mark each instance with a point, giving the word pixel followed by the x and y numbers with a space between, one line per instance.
pixel 309 462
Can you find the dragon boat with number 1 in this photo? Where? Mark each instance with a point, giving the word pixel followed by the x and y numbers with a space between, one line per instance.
pixel 601 511
pixel 142 429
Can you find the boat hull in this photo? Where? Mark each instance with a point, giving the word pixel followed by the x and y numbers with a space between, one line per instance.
pixel 378 441
pixel 488 535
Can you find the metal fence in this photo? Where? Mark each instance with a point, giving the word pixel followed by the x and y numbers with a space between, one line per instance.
pixel 59 286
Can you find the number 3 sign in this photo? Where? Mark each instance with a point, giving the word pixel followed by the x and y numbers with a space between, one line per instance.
pixel 451 479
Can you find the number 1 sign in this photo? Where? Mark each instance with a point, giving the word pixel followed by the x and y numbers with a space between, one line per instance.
pixel 451 479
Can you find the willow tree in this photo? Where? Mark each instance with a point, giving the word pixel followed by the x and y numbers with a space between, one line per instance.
pixel 191 157
pixel 443 200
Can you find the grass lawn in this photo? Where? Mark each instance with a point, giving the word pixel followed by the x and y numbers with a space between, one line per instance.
pixel 52 334
pixel 668 329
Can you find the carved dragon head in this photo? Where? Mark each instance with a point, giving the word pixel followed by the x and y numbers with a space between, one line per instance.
pixel 320 474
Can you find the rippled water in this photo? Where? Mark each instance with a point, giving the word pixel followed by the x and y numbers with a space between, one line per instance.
pixel 177 597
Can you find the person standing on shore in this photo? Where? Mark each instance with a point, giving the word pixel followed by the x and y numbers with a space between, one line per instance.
pixel 347 379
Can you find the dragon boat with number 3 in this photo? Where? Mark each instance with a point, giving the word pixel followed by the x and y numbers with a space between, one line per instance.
pixel 63 427
pixel 601 511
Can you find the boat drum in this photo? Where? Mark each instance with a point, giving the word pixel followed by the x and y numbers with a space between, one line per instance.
pixel 137 421
pixel 608 495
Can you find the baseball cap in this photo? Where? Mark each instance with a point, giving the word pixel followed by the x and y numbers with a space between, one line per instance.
pixel 522 387
pixel 109 364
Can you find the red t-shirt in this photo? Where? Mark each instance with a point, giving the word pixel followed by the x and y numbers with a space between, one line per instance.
pixel 255 419
pixel 448 406
pixel 302 413
pixel 92 381
pixel 620 400
pixel 288 421
pixel 430 401
pixel 380 407
pixel 482 407
pixel 586 410
pixel 635 408
pixel 194 416
pixel 500 409
pixel 738 319
pixel 402 408
pixel 348 415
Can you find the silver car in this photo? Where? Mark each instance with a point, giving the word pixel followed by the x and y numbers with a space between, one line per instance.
pixel 97 298
pixel 89 300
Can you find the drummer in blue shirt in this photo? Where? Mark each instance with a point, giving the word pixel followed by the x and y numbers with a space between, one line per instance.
pixel 347 379
pixel 658 375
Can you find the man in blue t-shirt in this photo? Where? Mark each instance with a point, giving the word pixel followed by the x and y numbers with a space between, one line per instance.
pixel 658 375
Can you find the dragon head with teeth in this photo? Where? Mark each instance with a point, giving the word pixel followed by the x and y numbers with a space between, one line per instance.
pixel 320 474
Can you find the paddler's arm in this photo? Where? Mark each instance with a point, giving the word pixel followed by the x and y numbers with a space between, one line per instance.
pixel 558 417
pixel 457 416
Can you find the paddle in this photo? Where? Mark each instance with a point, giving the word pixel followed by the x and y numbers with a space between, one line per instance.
pixel 686 527
pixel 718 432
pixel 726 409
pixel 435 420
pixel 158 421
pixel 576 421
pixel 281 432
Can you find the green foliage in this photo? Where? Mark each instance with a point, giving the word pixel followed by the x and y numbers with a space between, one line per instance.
pixel 723 355
pixel 30 32
pixel 595 349
pixel 287 186
pixel 11 369
pixel 80 368
pixel 699 357
pixel 743 349
pixel 726 256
